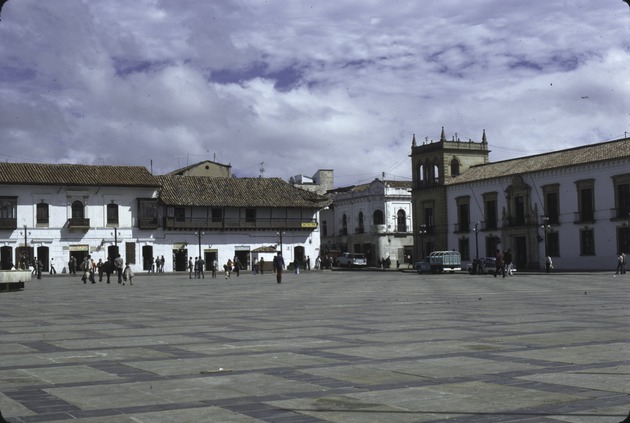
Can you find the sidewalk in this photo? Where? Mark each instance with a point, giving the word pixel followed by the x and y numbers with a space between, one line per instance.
pixel 351 346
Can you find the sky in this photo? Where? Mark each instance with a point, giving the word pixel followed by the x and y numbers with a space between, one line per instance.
pixel 279 88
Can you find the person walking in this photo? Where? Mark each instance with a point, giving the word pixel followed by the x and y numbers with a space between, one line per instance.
pixel 548 264
pixel 507 257
pixel 99 268
pixel 500 264
pixel 128 274
pixel 619 264
pixel 261 265
pixel 202 262
pixel 52 270
pixel 228 268
pixel 190 267
pixel 118 264
pixel 215 265
pixel 278 265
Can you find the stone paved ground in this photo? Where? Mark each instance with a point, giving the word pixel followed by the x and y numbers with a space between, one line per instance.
pixel 343 346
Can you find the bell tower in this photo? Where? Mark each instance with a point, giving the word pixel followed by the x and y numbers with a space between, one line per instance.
pixel 434 164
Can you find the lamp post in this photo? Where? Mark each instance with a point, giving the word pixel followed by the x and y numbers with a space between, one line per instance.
pixel 546 227
pixel 115 241
pixel 199 234
pixel 423 230
pixel 476 231
pixel 281 234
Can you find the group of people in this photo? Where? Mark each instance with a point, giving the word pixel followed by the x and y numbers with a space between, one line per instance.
pixel 90 269
pixel 157 265
pixel 504 263
pixel 197 267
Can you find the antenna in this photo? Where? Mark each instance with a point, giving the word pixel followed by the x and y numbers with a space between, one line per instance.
pixel 262 169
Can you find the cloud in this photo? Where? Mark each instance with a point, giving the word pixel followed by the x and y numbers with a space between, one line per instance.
pixel 306 85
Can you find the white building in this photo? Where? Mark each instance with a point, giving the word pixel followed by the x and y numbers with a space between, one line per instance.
pixel 57 211
pixel 573 205
pixel 374 219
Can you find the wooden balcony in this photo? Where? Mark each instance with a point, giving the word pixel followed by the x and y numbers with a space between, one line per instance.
pixel 197 223
pixel 8 223
pixel 79 223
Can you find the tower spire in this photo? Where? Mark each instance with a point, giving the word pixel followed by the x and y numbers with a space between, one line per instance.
pixel 484 140
pixel 442 135
pixel 413 141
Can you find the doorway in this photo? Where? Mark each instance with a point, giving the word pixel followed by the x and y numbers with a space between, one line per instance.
pixel 520 253
pixel 6 258
pixel 180 259
pixel 147 257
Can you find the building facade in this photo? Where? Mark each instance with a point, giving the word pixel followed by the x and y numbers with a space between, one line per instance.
pixel 56 212
pixel 374 219
pixel 572 205
pixel 434 165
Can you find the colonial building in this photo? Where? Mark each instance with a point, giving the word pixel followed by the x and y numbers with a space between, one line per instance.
pixel 57 211
pixel 434 165
pixel 374 219
pixel 573 205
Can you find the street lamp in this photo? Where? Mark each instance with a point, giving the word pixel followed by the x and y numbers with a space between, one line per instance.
pixel 199 234
pixel 423 230
pixel 280 234
pixel 546 227
pixel 115 240
pixel 476 231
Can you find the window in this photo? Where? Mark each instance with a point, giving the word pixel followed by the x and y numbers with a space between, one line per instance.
pixel 454 167
pixel 491 214
pixel 553 244
pixel 130 252
pixel 428 216
pixel 587 242
pixel 344 225
pixel 112 214
pixel 148 213
pixel 217 215
pixel 586 201
pixel 622 196
pixel 401 221
pixel 42 214
pixel 463 214
pixel 77 210
pixel 464 248
pixel 180 214
pixel 324 228
pixel 378 217
pixel 8 212
pixel 552 207
pixel 250 215
pixel 519 210
pixel 360 228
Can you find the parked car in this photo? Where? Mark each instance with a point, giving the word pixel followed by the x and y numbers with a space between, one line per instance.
pixel 423 266
pixel 489 265
pixel 351 259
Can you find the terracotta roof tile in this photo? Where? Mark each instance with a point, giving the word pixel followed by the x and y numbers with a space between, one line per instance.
pixel 563 158
pixel 235 192
pixel 72 174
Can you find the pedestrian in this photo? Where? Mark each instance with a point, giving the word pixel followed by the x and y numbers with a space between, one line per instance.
pixel 261 265
pixel 237 266
pixel 39 266
pixel 278 265
pixel 118 264
pixel 202 262
pixel 623 266
pixel 72 265
pixel 308 262
pixel 619 264
pixel 255 266
pixel 215 265
pixel 228 268
pixel 500 264
pixel 52 267
pixel 196 267
pixel 190 267
pixel 128 274
pixel 100 269
pixel 162 264
pixel 548 264
pixel 508 261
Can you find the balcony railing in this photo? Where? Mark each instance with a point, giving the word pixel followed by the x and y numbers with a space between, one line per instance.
pixel 148 223
pixel 8 223
pixel 462 227
pixel 620 214
pixel 236 223
pixel 78 223
pixel 513 221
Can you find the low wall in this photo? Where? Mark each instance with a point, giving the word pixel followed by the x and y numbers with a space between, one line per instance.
pixel 13 279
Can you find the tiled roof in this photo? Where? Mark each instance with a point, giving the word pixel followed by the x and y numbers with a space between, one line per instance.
pixel 235 192
pixel 558 159
pixel 73 174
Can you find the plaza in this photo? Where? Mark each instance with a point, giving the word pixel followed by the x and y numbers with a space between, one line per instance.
pixel 342 346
